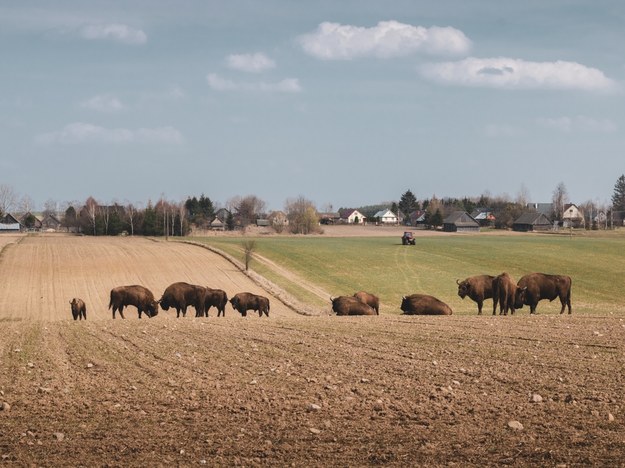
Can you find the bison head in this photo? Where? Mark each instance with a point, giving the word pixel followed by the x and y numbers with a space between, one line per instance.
pixel 405 304
pixel 153 309
pixel 463 288
pixel 520 297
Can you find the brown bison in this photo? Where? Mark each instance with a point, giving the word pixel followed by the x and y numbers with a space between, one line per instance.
pixel 182 295
pixel 349 305
pixel 214 298
pixel 79 309
pixel 138 296
pixel 478 288
pixel 242 302
pixel 504 292
pixel 535 287
pixel 422 304
pixel 369 299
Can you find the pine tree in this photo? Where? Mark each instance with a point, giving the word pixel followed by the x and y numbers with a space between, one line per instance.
pixel 618 198
pixel 408 203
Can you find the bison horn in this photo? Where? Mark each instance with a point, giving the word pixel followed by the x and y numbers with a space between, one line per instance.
pixel 458 282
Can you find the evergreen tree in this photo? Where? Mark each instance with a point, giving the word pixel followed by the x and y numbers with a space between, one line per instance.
pixel 618 198
pixel 437 218
pixel 408 203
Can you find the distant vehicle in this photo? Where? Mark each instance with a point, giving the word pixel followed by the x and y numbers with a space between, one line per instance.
pixel 408 238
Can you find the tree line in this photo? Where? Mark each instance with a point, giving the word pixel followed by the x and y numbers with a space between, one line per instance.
pixel 169 218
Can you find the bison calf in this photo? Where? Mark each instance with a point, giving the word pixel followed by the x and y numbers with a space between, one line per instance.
pixel 79 309
pixel 349 305
pixel 138 296
pixel 422 304
pixel 369 299
pixel 242 302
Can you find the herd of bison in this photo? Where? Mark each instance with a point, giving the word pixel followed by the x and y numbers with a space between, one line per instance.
pixel 509 295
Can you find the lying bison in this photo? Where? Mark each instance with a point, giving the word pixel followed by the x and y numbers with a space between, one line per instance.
pixel 79 309
pixel 535 287
pixel 504 292
pixel 349 305
pixel 478 288
pixel 369 299
pixel 138 296
pixel 182 295
pixel 242 302
pixel 214 298
pixel 422 304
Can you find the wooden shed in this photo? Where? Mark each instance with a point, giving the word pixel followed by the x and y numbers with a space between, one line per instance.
pixel 460 221
pixel 528 222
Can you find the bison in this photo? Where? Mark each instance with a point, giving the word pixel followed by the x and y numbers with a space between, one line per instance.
pixel 478 288
pixel 535 287
pixel 242 302
pixel 369 299
pixel 79 309
pixel 182 295
pixel 216 298
pixel 504 292
pixel 422 304
pixel 349 305
pixel 138 296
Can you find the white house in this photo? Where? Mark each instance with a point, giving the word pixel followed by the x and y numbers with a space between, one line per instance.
pixel 352 216
pixel 572 215
pixel 386 217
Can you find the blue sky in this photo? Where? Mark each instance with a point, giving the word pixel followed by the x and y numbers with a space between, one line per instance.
pixel 347 103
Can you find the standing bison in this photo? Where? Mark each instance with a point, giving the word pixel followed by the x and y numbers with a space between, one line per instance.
pixel 478 288
pixel 242 302
pixel 504 292
pixel 349 305
pixel 138 296
pixel 535 287
pixel 182 295
pixel 369 299
pixel 214 298
pixel 422 304
pixel 79 309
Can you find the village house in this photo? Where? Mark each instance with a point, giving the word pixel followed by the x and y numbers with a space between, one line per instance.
pixel 386 216
pixel 351 216
pixel 572 216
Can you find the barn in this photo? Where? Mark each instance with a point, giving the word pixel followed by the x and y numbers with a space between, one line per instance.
pixel 460 221
pixel 528 222
pixel 10 224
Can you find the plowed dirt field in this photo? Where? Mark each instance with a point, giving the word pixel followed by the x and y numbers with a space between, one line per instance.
pixel 295 390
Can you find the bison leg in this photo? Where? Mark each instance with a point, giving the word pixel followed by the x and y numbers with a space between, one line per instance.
pixel 495 302
pixel 75 315
pixel 84 314
pixel 479 307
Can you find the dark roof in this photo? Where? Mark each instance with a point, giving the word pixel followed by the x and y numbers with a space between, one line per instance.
pixel 533 219
pixel 460 218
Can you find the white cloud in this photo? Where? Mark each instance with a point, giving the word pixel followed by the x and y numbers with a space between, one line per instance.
pixel 333 41
pixel 80 132
pixel 288 85
pixel 508 73
pixel 116 32
pixel 502 131
pixel 250 63
pixel 103 103
pixel 579 123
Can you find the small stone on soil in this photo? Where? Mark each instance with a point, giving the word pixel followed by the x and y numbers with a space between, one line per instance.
pixel 536 398
pixel 516 425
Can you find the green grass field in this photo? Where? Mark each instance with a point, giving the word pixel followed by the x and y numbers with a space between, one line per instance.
pixel 383 266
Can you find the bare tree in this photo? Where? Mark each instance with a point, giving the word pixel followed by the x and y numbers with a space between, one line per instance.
pixel 182 212
pixel 523 196
pixel 50 207
pixel 248 248
pixel 560 197
pixel 91 207
pixel 131 214
pixel 106 216
pixel 8 198
pixel 248 208
pixel 26 204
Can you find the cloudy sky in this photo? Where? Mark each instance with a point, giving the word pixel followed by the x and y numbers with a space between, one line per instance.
pixel 347 103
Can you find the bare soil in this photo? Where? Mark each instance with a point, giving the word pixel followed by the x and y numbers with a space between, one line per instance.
pixel 291 389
